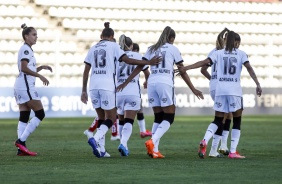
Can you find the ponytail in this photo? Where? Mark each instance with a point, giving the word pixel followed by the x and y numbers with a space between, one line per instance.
pixel 107 31
pixel 125 42
pixel 26 30
pixel 166 35
pixel 230 42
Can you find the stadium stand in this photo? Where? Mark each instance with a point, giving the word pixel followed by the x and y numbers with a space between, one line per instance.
pixel 67 29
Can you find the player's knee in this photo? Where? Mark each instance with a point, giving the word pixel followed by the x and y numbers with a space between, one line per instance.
pixel 121 122
pixel 128 120
pixel 140 116
pixel 169 117
pixel 100 121
pixel 40 114
pixel 219 130
pixel 237 123
pixel 108 123
pixel 226 125
pixel 159 117
pixel 24 116
pixel 218 121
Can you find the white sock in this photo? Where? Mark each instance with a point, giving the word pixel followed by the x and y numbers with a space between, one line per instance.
pixel 224 138
pixel 101 143
pixel 215 142
pixel 235 136
pixel 154 129
pixel 210 132
pixel 126 133
pixel 162 129
pixel 101 132
pixel 33 123
pixel 142 125
pixel 120 131
pixel 21 128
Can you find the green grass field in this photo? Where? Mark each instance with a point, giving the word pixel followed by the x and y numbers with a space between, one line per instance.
pixel 65 157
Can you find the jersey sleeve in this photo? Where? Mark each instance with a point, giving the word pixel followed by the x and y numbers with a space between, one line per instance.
pixel 177 56
pixel 139 57
pixel 89 57
pixel 147 55
pixel 212 58
pixel 25 54
pixel 245 58
pixel 119 53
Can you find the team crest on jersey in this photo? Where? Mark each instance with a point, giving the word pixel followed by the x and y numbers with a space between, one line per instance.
pixel 218 104
pixel 26 52
pixel 106 102
pixel 95 101
pixel 133 104
pixel 164 100
pixel 233 105
pixel 151 100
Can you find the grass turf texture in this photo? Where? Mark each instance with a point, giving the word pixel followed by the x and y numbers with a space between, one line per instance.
pixel 65 157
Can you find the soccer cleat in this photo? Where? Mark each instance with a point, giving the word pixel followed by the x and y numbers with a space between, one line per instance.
pixel 216 155
pixel 235 155
pixel 224 151
pixel 88 133
pixel 148 133
pixel 115 138
pixel 150 147
pixel 21 146
pixel 21 153
pixel 123 151
pixel 105 154
pixel 202 149
pixel 95 147
pixel 157 155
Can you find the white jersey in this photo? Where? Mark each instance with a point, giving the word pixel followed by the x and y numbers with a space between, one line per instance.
pixel 103 59
pixel 229 67
pixel 213 79
pixel 124 70
pixel 24 81
pixel 164 72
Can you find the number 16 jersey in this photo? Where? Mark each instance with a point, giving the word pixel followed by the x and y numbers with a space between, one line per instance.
pixel 229 67
pixel 103 59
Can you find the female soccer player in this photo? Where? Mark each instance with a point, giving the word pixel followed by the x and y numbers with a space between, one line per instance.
pixel 222 132
pixel 128 100
pixel 25 92
pixel 228 96
pixel 161 87
pixel 103 58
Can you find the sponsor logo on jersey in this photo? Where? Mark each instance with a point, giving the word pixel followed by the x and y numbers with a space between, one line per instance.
pixel 26 52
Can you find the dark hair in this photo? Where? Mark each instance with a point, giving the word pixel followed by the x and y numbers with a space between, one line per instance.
pixel 135 47
pixel 107 31
pixel 220 39
pixel 26 30
pixel 125 42
pixel 230 42
pixel 166 35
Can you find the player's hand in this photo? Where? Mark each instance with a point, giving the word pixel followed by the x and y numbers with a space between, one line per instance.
pixel 46 67
pixel 155 60
pixel 145 84
pixel 181 70
pixel 198 94
pixel 259 90
pixel 84 97
pixel 120 87
pixel 44 80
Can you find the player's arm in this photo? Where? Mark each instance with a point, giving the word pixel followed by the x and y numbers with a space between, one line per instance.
pixel 84 96
pixel 147 74
pixel 28 71
pixel 135 72
pixel 183 69
pixel 44 67
pixel 187 80
pixel 204 71
pixel 154 61
pixel 253 76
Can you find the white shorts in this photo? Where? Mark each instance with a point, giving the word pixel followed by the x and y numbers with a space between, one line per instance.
pixel 23 96
pixel 228 103
pixel 212 93
pixel 128 102
pixel 160 95
pixel 103 99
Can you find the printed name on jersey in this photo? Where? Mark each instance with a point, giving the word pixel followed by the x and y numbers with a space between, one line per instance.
pixel 98 45
pixel 99 72
pixel 160 71
pixel 123 80
pixel 26 52
pixel 226 79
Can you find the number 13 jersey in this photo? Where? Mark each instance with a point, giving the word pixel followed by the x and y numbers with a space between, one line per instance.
pixel 103 59
pixel 163 72
pixel 229 67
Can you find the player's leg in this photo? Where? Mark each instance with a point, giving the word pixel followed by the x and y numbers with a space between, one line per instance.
pixel 225 133
pixel 121 124
pixel 142 124
pixel 100 116
pixel 236 129
pixel 115 130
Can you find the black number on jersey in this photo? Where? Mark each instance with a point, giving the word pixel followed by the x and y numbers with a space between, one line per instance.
pixel 126 69
pixel 163 61
pixel 100 58
pixel 229 65
pixel 214 66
